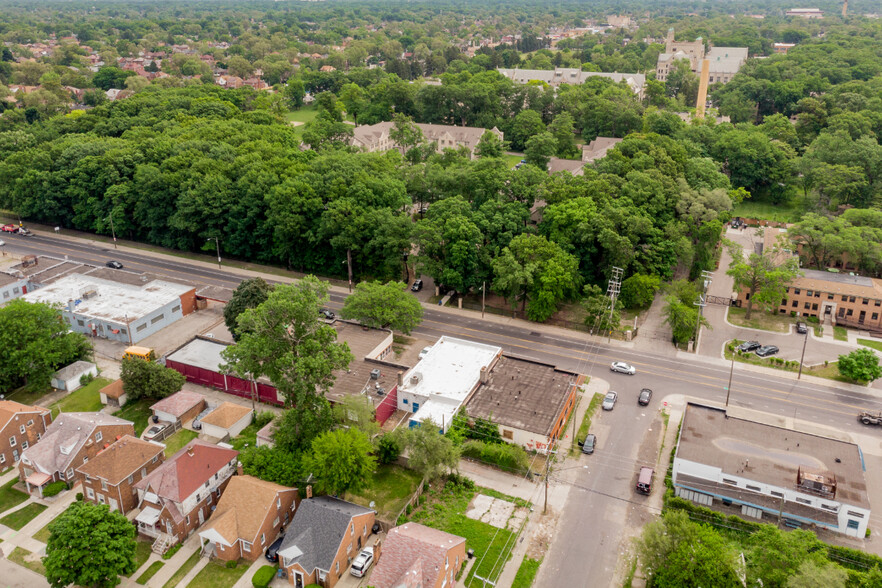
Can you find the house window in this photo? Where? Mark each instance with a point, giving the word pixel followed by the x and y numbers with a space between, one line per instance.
pixel 796 290
pixel 278 502
pixel 877 303
pixel 5 294
pixel 246 547
pixel 188 519
pixel 849 312
pixel 851 299
pixel 85 459
pixel 99 436
pixel 156 319
pixel 143 472
pixel 858 515
pixel 155 458
pixel 31 423
pixel 132 479
pixel 103 485
pixel 404 401
pixel 777 494
pixel 81 323
pixel 808 305
pixel 100 499
pixel 21 429
pixel 206 483
pixel 364 530
pixel 845 298
pixel 90 493
pixel 12 441
pixel 865 301
pixel 807 292
pixel 2 458
pixel 176 308
pixel 70 474
pixel 506 434
pixel 15 454
pixel 795 303
pixel 338 567
pixel 814 307
pixel 803 500
pixel 829 297
pixel 198 497
pixel 123 332
pixel 351 529
pixel 818 294
pixel 141 327
pixel 349 548
pixel 754 488
pixel 24 445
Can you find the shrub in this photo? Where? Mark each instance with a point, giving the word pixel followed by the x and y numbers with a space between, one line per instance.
pixel 263 577
pixel 79 496
pixel 388 449
pixel 54 488
pixel 232 565
pixel 511 458
pixel 262 419
pixel 85 380
pixel 173 550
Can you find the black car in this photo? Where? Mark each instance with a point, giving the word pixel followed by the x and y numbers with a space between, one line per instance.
pixel 417 286
pixel 749 346
pixel 801 328
pixel 272 552
pixel 114 264
pixel 644 397
pixel 767 350
pixel 327 314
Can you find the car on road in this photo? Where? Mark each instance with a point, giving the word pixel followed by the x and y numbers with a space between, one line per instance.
pixel 644 480
pixel 24 231
pixel 362 563
pixel 749 346
pixel 622 368
pixel 9 228
pixel 272 552
pixel 644 397
pixel 801 328
pixel 589 443
pixel 327 314
pixel 155 431
pixel 609 402
pixel 114 264
pixel 767 350
pixel 417 286
pixel 425 352
pixel 2 243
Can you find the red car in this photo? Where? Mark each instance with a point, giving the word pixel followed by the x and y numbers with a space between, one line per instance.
pixel 9 228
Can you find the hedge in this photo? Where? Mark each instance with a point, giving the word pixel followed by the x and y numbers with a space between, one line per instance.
pixel 54 488
pixel 511 458
pixel 263 577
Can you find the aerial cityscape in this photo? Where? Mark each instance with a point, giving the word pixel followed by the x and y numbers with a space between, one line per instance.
pixel 384 294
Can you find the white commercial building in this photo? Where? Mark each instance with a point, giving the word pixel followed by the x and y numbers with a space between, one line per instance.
pixel 444 379
pixel 770 472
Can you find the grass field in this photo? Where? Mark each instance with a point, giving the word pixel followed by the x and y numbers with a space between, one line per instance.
pixel 10 497
pixel 877 345
pixel 829 371
pixel 840 333
pixel 183 570
pixel 218 575
pixel 143 549
pixel 526 573
pixel 512 160
pixel 149 572
pixel 784 213
pixel 18 519
pixel 138 412
pixel 390 488
pixel 759 319
pixel 20 556
pixel 304 115
pixel 43 534
pixel 178 440
pixel 585 426
pixel 86 399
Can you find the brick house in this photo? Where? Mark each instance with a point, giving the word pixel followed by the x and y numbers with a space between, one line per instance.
pixel 22 426
pixel 110 477
pixel 249 516
pixel 416 555
pixel 323 539
pixel 177 496
pixel 69 442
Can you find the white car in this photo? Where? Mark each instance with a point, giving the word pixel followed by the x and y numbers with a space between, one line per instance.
pixel 362 563
pixel 425 352
pixel 622 368
pixel 2 242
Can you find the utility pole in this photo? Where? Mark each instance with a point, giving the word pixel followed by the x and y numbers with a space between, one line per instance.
pixel 349 267
pixel 802 358
pixel 217 243
pixel 112 231
pixel 731 369
pixel 612 292
pixel 702 302
pixel 483 297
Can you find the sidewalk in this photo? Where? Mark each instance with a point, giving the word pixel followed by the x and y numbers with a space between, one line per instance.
pixel 191 546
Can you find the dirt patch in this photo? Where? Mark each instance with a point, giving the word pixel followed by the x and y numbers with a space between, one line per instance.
pixel 542 535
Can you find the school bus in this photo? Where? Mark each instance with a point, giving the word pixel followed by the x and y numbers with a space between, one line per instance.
pixel 144 353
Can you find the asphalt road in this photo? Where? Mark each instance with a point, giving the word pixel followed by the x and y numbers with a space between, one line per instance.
pixel 598 506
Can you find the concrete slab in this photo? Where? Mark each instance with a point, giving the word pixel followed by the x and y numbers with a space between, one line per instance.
pixel 493 511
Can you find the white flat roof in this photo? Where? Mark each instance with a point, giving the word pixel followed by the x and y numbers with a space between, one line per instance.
pixel 450 370
pixel 112 301
pixel 200 353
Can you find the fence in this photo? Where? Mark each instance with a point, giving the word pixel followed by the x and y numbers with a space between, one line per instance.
pixel 412 501
pixel 388 407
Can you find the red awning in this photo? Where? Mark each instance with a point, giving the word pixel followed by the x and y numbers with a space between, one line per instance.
pixel 38 479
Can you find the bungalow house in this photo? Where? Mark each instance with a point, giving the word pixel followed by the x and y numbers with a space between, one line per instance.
pixel 20 427
pixel 248 518
pixel 68 378
pixel 109 478
pixel 181 407
pixel 416 555
pixel 178 495
pixel 227 420
pixel 69 442
pixel 324 537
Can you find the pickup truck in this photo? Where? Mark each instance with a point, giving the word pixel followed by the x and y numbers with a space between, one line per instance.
pixel 870 418
pixel 9 228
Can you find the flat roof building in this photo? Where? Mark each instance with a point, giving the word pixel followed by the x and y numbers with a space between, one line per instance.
pixel 573 76
pixel 771 472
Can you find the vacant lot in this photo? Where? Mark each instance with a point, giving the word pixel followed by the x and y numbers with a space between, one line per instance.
pixel 390 488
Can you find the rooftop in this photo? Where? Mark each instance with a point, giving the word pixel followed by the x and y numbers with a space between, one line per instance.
pixel 243 507
pixel 523 394
pixel 179 403
pixel 107 300
pixel 64 438
pixel 73 370
pixel 201 353
pixel 113 389
pixel 226 415
pixel 413 555
pixel 769 454
pixel 187 470
pixel 9 408
pixel 364 344
pixel 120 460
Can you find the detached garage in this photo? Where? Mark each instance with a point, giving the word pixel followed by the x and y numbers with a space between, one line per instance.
pixel 227 420
pixel 200 362
pixel 68 377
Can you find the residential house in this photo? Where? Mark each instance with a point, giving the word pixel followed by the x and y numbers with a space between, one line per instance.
pixel 227 420
pixel 417 555
pixel 179 408
pixel 110 477
pixel 20 427
pixel 324 537
pixel 177 496
pixel 113 394
pixel 598 148
pixel 70 376
pixel 249 516
pixel 12 285
pixel 376 137
pixel 768 471
pixel 69 442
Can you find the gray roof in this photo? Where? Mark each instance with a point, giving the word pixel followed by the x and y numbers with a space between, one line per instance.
pixel 64 438
pixel 73 370
pixel 317 530
pixel 838 277
pixel 564 75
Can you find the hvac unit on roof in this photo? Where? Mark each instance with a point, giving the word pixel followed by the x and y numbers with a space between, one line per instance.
pixel 89 294
pixel 415 378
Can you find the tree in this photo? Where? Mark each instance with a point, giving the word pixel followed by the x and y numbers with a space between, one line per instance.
pixel 324 133
pixel 540 149
pixel 283 340
pixel 489 145
pixel 295 92
pixel 34 342
pixel 359 412
pixel 681 81
pixel 429 453
pixel 812 575
pixel 639 290
pixel 680 312
pixel 861 365
pixel 148 379
pixel 250 293
pixel 563 130
pixel 776 555
pixel 407 136
pixel 766 282
pixel 383 306
pixel 341 460
pixel 111 77
pixel 388 448
pixel 89 546
pixel 272 464
pixel 597 307
pixel 526 124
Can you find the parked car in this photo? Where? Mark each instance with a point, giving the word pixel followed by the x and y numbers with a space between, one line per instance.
pixel 425 352
pixel 749 346
pixel 10 228
pixel 272 552
pixel 644 480
pixel 610 401
pixel 114 264
pixel 155 431
pixel 801 328
pixel 417 286
pixel 197 422
pixel 362 563
pixel 24 231
pixel 327 314
pixel 644 397
pixel 622 368
pixel 767 350
pixel 589 443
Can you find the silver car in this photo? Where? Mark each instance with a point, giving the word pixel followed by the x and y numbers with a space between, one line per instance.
pixel 622 368
pixel 609 401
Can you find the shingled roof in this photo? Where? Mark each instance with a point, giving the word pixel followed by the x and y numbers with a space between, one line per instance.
pixel 121 460
pixel 243 508
pixel 187 470
pixel 413 555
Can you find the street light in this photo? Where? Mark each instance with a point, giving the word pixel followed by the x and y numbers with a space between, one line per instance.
pixel 802 358
pixel 217 243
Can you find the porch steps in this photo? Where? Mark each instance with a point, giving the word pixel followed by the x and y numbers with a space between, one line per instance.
pixel 162 543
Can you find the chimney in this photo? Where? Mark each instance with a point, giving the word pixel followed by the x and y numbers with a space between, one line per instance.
pixel 401 378
pixel 239 470
pixel 309 491
pixel 484 375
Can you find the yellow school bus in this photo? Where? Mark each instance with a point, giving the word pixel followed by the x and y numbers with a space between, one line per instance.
pixel 144 353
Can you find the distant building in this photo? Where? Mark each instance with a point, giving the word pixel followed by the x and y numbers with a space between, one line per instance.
pixel 376 137
pixel 805 12
pixel 769 472
pixel 724 62
pixel 573 76
pixel 783 48
pixel 598 148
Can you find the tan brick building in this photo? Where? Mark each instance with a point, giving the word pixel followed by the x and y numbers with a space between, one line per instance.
pixel 111 476
pixel 416 555
pixel 248 518
pixel 323 539
pixel 20 427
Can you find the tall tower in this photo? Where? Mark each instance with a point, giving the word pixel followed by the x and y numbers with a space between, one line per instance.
pixel 669 41
pixel 844 8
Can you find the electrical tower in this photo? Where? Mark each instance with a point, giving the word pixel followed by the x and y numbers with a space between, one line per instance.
pixel 612 292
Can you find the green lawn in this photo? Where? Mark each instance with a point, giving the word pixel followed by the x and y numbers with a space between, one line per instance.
pixel 526 573
pixel 304 115
pixel 43 534
pixel 248 436
pixel 150 572
pixel 18 519
pixel 18 556
pixel 10 497
pixel 138 412
pixel 178 440
pixel 785 213
pixel 390 488
pixel 596 401
pixel 877 345
pixel 512 160
pixel 840 333
pixel 86 399
pixel 28 396
pixel 765 321
pixel 143 549
pixel 217 575
pixel 183 570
